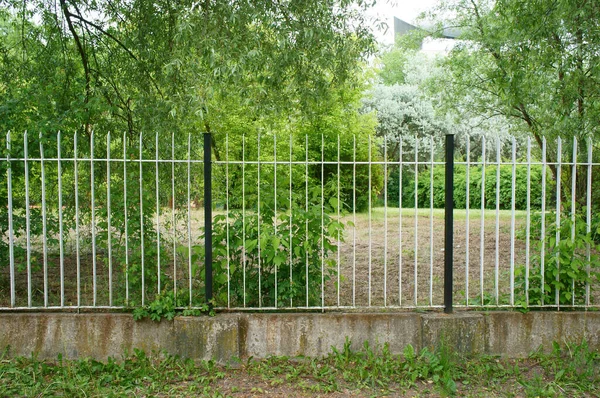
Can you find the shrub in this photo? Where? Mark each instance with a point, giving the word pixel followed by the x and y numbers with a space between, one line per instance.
pixel 290 250
pixel 353 179
pixel 460 184
pixel 567 269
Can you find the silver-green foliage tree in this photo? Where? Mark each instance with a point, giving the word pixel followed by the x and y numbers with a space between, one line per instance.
pixel 535 62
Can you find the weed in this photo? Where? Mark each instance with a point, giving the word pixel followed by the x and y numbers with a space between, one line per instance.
pixel 569 268
pixel 436 366
pixel 166 306
pixel 372 370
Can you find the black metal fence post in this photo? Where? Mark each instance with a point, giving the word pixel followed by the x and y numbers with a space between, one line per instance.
pixel 208 273
pixel 449 224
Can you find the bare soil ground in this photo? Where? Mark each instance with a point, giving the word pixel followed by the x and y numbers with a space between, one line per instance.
pixel 404 274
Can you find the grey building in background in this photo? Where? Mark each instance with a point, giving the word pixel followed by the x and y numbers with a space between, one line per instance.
pixel 402 27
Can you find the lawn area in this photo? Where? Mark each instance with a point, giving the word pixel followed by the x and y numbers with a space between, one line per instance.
pixel 459 214
pixel 571 372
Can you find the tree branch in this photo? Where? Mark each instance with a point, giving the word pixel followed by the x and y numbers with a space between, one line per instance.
pixel 116 40
pixel 106 33
pixel 82 54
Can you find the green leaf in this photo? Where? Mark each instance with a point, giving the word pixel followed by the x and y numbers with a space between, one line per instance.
pixel 275 242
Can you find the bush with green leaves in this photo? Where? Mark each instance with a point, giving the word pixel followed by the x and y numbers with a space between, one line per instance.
pixel 167 306
pixel 18 195
pixel 571 264
pixel 135 218
pixel 274 258
pixel 460 185
pixel 348 182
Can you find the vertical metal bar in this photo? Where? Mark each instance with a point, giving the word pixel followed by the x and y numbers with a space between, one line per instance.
pixel 28 217
pixel 93 211
pixel 528 223
pixel 108 220
pixel 227 219
pixel 385 220
pixel 173 225
pixel 306 239
pixel 543 225
pixel 143 276
pixel 77 237
pixel 400 222
pixel 354 221
pixel 291 210
pixel 189 217
pixel 158 284
pixel 558 205
pixel 11 233
pixel 60 222
pixel 468 221
pixel 258 224
pixel 275 207
pixel 322 221
pixel 44 222
pixel 370 223
pixel 339 204
pixel 512 222
pixel 449 224
pixel 482 222
pixel 431 224
pixel 573 195
pixel 588 216
pixel 208 247
pixel 244 218
pixel 497 262
pixel 125 213
pixel 416 233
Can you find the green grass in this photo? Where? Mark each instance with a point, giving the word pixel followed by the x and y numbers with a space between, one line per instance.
pixel 377 213
pixel 136 374
pixel 459 214
pixel 570 371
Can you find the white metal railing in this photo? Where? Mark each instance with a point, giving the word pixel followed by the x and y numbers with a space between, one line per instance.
pixel 115 221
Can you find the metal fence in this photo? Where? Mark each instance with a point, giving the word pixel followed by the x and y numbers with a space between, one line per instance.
pixel 313 222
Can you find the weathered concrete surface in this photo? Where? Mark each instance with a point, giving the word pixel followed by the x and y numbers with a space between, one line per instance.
pixel 314 334
pixel 515 334
pixel 81 335
pixel 464 332
pixel 259 335
pixel 206 337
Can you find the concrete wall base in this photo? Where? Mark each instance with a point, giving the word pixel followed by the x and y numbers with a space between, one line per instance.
pixel 228 336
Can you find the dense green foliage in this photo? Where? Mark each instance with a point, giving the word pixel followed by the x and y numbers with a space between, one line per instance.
pixel 183 66
pixel 278 257
pixel 156 74
pixel 534 62
pixel 460 187
pixel 570 268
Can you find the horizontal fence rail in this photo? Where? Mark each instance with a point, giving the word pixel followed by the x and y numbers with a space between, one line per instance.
pixel 101 221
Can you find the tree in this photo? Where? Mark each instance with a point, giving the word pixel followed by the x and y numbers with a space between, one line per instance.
pixel 535 62
pixel 169 65
pixel 182 67
pixel 276 68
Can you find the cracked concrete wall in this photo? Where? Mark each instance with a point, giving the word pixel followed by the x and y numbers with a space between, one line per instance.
pixel 226 336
